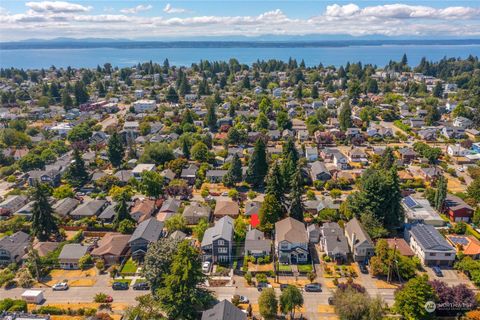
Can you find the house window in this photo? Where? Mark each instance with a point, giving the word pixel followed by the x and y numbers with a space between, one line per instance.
pixel 222 250
pixel 448 254
pixel 433 254
pixel 284 246
pixel 221 242
pixel 223 258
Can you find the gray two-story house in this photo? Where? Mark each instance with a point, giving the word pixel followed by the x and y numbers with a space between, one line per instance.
pixel 146 232
pixel 291 241
pixel 360 243
pixel 217 241
pixel 13 248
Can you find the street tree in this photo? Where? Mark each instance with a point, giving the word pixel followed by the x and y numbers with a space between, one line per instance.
pixel 291 299
pixel 268 304
pixel 115 150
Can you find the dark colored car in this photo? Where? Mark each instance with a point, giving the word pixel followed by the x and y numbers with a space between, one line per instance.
pixel 438 271
pixel 283 286
pixel 331 301
pixel 141 286
pixel 313 287
pixel 120 286
pixel 263 285
pixel 363 268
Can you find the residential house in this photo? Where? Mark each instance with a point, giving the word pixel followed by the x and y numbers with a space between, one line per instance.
pixel 44 248
pixel 189 174
pixel 140 168
pixel 257 245
pixel 291 241
pixel 70 255
pixel 123 176
pixel 224 310
pixel 12 204
pixel 168 175
pixel 416 122
pixel 318 171
pixel 340 161
pixel 359 241
pixel 226 208
pixel 429 245
pixel 108 214
pixel 333 242
pixel 462 122
pixel 419 210
pixel 428 134
pixel 90 208
pixel 142 209
pixel 146 232
pixel 431 174
pixel 406 154
pixel 13 247
pixel 195 211
pixel 311 153
pixel 313 232
pixel 467 245
pixel 401 246
pixel 456 209
pixel 218 240
pixel 65 206
pixel 357 155
pixel 215 176
pixel 457 150
pixel 142 106
pixel 169 208
pixel 112 248
pixel 453 132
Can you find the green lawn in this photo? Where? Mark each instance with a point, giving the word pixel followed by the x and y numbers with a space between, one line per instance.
pixel 140 280
pixel 284 267
pixel 305 268
pixel 129 267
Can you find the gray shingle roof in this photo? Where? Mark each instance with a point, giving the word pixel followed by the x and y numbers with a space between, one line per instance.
pixel 149 230
pixel 224 310
pixel 89 208
pixel 223 229
pixel 429 238
pixel 73 251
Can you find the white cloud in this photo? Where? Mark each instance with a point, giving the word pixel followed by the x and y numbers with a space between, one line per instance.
pixel 57 7
pixel 136 9
pixel 171 10
pixel 66 19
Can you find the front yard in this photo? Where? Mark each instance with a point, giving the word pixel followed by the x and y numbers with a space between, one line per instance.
pixel 129 267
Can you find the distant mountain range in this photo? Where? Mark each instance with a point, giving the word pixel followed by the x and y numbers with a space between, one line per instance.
pixel 230 42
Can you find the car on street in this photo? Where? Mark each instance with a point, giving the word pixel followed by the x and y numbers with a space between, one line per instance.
pixel 206 267
pixel 241 299
pixel 120 286
pixel 61 286
pixel 263 285
pixel 141 286
pixel 225 194
pixel 283 286
pixel 363 268
pixel 313 287
pixel 437 271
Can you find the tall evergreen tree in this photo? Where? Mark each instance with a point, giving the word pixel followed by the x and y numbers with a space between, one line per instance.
pixel 77 175
pixel 258 166
pixel 43 222
pixel 172 95
pixel 345 117
pixel 388 159
pixel 185 149
pixel 314 93
pixel 116 150
pixel 296 203
pixel 270 212
pixel 212 118
pixel 440 193
pixel 275 184
pixel 234 173
pixel 122 210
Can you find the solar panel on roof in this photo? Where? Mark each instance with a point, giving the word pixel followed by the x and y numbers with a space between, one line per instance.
pixel 410 202
pixel 459 240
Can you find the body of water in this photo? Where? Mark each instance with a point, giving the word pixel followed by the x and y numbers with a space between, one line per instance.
pixel 91 57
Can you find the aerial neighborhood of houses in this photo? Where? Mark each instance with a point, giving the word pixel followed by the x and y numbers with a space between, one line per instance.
pixel 243 181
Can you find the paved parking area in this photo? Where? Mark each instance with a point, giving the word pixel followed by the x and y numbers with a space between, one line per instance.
pixel 450 276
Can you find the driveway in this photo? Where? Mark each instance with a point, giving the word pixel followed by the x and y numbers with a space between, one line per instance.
pixel 450 276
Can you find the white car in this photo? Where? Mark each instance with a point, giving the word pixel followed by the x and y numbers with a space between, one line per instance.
pixel 244 299
pixel 206 267
pixel 61 286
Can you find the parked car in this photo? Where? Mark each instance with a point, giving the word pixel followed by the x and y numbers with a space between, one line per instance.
pixel 331 301
pixel 363 268
pixel 61 286
pixel 109 299
pixel 120 286
pixel 206 267
pixel 225 194
pixel 313 287
pixel 243 299
pixel 263 285
pixel 141 286
pixel 283 286
pixel 438 271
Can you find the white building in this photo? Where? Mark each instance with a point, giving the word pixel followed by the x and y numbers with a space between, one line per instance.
pixel 140 168
pixel 457 150
pixel 141 106
pixel 62 129
pixel 429 245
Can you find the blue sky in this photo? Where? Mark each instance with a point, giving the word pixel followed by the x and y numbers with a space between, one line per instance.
pixel 223 18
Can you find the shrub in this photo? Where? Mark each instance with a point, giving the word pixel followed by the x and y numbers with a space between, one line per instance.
pixel 100 265
pixel 85 261
pixel 50 310
pixel 100 297
pixel 236 300
pixel 267 259
pixel 260 260
pixel 261 277
pixel 248 277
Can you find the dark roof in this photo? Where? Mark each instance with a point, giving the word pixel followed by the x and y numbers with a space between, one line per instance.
pixel 89 208
pixel 429 238
pixel 455 203
pixel 223 229
pixel 149 230
pixel 66 205
pixel 13 242
pixel 224 310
